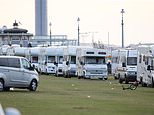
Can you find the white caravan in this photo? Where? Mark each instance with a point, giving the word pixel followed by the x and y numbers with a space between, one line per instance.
pixel 46 60
pixel 59 60
pixel 119 58
pixel 91 63
pixel 131 65
pixel 145 70
pixel 69 61
pixel 35 52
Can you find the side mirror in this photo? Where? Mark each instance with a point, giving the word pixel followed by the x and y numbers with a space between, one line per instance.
pixel 45 63
pixel 148 67
pixel 55 63
pixel 67 63
pixel 82 63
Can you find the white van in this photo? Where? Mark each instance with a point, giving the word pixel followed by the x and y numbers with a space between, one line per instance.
pixel 17 72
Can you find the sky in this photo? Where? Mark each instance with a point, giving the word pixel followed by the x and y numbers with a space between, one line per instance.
pixel 100 20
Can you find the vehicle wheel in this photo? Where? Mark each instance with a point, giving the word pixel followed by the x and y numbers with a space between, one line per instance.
pixel 6 88
pixel 120 80
pixel 1 85
pixel 152 83
pixel 33 85
pixel 126 80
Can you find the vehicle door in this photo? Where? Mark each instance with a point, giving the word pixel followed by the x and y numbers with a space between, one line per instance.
pixel 25 65
pixel 15 71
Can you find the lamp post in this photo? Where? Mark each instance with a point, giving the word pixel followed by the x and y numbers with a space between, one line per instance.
pixel 78 20
pixel 50 32
pixel 122 24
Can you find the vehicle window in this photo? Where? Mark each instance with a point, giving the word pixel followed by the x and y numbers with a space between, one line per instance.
pixel 25 63
pixel 3 62
pixel 51 59
pixel 14 62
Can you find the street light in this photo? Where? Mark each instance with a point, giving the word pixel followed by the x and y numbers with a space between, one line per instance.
pixel 78 20
pixel 122 23
pixel 50 32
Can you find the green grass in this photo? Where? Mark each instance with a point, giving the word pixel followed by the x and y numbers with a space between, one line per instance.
pixel 69 96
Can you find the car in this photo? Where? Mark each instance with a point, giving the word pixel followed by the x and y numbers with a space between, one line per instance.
pixel 17 72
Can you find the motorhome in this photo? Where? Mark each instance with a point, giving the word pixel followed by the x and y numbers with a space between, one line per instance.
pixel 145 70
pixel 59 60
pixel 46 60
pixel 119 58
pixel 130 66
pixel 91 63
pixel 69 61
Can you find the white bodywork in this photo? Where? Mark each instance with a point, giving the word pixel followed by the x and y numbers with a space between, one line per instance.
pixel 59 60
pixel 131 65
pixel 69 61
pixel 119 58
pixel 145 70
pixel 46 60
pixel 91 63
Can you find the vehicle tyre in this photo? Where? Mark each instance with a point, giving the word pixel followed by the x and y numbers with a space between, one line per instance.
pixel 1 85
pixel 33 85
pixel 126 80
pixel 152 83
pixel 6 88
pixel 120 80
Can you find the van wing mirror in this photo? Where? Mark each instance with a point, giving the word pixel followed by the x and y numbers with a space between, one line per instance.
pixel 55 63
pixel 67 63
pixel 82 63
pixel 149 67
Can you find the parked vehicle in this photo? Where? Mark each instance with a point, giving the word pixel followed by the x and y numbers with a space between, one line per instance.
pixel 69 61
pixel 17 72
pixel 131 66
pixel 119 59
pixel 91 63
pixel 145 70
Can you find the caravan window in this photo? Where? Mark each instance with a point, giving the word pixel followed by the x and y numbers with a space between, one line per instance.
pixel 132 61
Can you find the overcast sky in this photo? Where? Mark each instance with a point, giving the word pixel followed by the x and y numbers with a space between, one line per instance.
pixel 97 19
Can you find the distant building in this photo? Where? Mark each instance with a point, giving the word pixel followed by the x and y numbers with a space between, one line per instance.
pixel 15 35
pixel 41 18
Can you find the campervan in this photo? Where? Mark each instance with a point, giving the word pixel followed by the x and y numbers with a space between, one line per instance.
pixel 145 70
pixel 59 60
pixel 91 63
pixel 131 65
pixel 69 61
pixel 46 60
pixel 119 63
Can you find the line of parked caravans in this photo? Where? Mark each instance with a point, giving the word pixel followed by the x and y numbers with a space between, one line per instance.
pixel 134 64
pixel 86 62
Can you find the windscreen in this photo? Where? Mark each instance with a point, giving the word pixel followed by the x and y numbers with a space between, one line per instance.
pixel 95 60
pixel 132 61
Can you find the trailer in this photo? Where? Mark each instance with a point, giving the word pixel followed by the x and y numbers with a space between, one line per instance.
pixel 91 63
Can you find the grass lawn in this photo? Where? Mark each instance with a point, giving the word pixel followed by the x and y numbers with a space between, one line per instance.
pixel 72 96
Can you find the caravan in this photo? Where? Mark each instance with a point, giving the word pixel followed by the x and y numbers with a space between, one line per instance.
pixel 119 58
pixel 69 61
pixel 145 70
pixel 91 63
pixel 46 60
